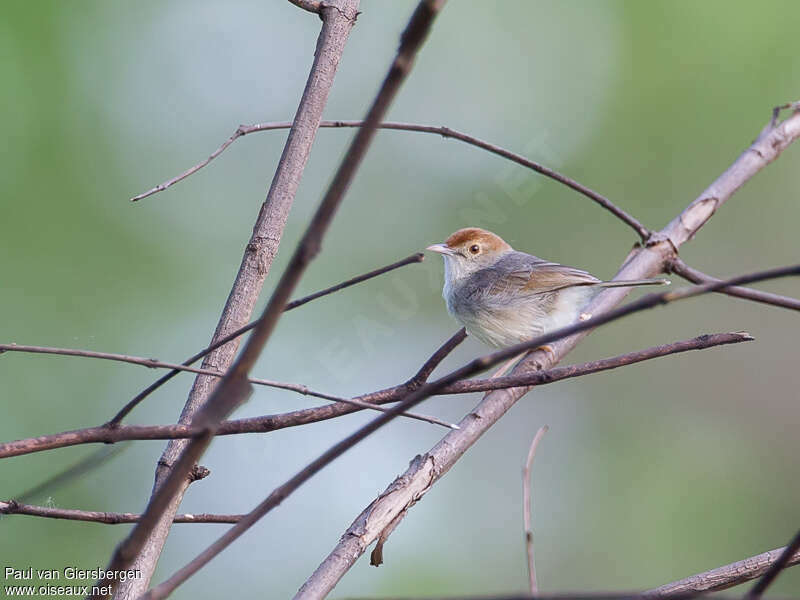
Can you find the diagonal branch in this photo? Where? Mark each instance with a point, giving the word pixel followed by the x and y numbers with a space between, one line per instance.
pixel 642 262
pixel 338 17
pixel 107 435
pixel 784 560
pixel 414 258
pixel 234 388
pixel 152 363
pixel 726 576
pixel 691 274
pixel 445 132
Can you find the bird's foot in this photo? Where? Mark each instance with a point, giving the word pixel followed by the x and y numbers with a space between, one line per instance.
pixel 547 348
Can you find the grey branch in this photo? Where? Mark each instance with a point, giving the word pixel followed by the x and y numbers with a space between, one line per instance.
pixel 12 507
pixel 143 549
pixel 641 262
pixel 153 363
pixel 412 39
pixel 527 509
pixel 726 576
pixel 125 410
pixel 108 435
pixel 691 274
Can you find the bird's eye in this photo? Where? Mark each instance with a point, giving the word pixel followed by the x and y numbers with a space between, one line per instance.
pixel 474 248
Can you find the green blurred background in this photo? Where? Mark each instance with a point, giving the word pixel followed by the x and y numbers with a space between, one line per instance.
pixel 648 474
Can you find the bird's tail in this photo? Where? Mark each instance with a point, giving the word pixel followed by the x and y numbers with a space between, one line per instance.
pixel 632 283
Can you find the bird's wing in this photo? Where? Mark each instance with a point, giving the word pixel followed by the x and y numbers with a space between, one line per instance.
pixel 529 274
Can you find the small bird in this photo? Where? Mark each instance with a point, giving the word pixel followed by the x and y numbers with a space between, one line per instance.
pixel 504 297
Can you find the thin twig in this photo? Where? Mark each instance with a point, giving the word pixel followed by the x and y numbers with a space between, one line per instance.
pixel 691 274
pixel 445 132
pixel 726 576
pixel 71 473
pixel 157 364
pixel 527 509
pixel 775 568
pixel 125 410
pixel 285 490
pixel 143 547
pixel 641 262
pixel 108 435
pixel 13 507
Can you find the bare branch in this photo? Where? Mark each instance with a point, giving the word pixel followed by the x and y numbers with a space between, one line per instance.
pixel 109 435
pixel 12 507
pixel 414 258
pixel 154 363
pixel 282 492
pixel 142 550
pixel 691 274
pixel 527 508
pixel 445 132
pixel 233 389
pixel 726 576
pixel 411 41
pixel 647 261
pixel 775 568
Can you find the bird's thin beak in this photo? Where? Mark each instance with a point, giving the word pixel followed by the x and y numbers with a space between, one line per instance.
pixel 440 248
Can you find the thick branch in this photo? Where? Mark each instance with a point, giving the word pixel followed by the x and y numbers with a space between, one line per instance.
pixel 691 274
pixel 11 507
pixel 108 435
pixel 647 261
pixel 337 20
pixel 445 132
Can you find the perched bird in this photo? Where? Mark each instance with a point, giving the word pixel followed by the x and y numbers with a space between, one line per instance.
pixel 504 297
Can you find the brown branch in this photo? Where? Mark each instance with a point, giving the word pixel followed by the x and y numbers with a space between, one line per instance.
pixel 783 561
pixel 726 576
pixel 154 363
pixel 526 509
pixel 142 549
pixel 414 258
pixel 12 507
pixel 285 490
pixel 233 389
pixel 267 423
pixel 679 267
pixel 642 262
pixel 445 132
pixel 411 41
